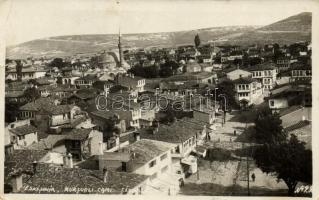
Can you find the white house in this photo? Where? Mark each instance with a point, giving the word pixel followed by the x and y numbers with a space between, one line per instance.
pixel 266 74
pixel 238 73
pixel 22 134
pixel 248 91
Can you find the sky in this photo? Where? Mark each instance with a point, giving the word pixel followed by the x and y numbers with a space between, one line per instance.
pixel 35 19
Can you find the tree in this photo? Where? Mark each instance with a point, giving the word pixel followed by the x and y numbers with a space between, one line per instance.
pixel 19 70
pixel 197 41
pixel 227 88
pixel 268 127
pixel 57 62
pixel 290 161
pixel 32 94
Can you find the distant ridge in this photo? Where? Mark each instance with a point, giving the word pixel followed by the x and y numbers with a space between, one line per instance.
pixel 292 29
pixel 300 22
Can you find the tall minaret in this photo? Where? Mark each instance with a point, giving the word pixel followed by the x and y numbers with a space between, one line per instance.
pixel 120 49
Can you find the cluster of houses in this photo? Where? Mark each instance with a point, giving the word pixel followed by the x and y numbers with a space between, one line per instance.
pixel 90 130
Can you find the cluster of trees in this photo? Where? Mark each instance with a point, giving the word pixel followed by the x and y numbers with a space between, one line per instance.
pixel 166 69
pixel 279 153
pixel 59 63
pixel 227 88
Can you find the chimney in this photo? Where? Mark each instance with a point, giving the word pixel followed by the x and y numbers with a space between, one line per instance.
pixel 70 160
pixel 34 166
pixel 303 118
pixel 105 174
pixel 101 150
pixel 16 182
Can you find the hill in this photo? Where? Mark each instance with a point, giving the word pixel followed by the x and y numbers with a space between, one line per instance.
pixel 292 29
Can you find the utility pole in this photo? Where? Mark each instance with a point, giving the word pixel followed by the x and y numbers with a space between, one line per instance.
pixel 197 160
pixel 247 167
pixel 248 190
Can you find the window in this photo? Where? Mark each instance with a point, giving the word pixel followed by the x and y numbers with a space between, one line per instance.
pixel 272 103
pixel 152 164
pixel 164 156
pixel 12 125
pixel 21 137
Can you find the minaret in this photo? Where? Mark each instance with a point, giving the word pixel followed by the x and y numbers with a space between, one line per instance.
pixel 120 50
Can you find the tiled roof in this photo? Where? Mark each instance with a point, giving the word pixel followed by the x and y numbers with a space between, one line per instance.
pixel 38 104
pixel 88 78
pixel 48 142
pixel 262 66
pixel 189 76
pixel 129 81
pixel 289 110
pixel 60 109
pixel 300 66
pixel 145 150
pixel 299 125
pixel 103 114
pixel 80 181
pixel 119 156
pixel 21 160
pixel 172 134
pixel 78 134
pixel 14 94
pixel 24 130
pixel 44 81
pixel 245 80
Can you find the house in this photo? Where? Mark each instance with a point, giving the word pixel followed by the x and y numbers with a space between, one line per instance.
pixel 198 77
pixel 294 114
pixel 132 82
pixel 193 67
pixel 266 74
pixel 104 120
pixel 54 118
pixel 289 95
pixel 151 157
pixel 83 143
pixel 30 109
pixel 53 143
pixel 283 63
pixel 15 97
pixel 31 177
pixel 248 91
pixel 70 80
pixel 21 133
pixel 45 81
pixel 85 81
pixel 303 131
pixel 238 73
pixel 27 73
pixel 184 140
pixel 300 71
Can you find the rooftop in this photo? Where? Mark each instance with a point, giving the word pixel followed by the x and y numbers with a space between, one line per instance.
pixel 173 133
pixel 262 66
pixel 76 180
pixel 245 80
pixel 21 160
pixel 24 130
pixel 188 76
pixel 145 150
